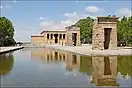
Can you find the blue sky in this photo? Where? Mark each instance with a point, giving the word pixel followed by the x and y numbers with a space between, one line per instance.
pixel 31 17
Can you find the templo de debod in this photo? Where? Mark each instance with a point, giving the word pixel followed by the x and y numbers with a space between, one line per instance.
pixel 69 36
pixel 104 34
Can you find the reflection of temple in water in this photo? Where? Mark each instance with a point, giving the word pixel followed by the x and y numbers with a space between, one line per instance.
pixel 6 64
pixel 46 55
pixel 104 71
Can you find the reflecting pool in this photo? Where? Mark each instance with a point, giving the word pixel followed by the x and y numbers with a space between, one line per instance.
pixel 41 67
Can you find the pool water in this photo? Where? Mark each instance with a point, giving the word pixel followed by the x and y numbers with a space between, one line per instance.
pixel 41 67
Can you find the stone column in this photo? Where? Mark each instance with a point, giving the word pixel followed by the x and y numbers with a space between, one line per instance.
pixel 78 38
pixel 49 38
pixel 59 41
pixel 53 39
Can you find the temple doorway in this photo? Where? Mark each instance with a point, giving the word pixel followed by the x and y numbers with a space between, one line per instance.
pixel 107 32
pixel 74 38
pixel 56 38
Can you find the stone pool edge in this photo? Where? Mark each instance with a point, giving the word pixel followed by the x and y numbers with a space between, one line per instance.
pixel 92 52
pixel 9 49
pixel 87 51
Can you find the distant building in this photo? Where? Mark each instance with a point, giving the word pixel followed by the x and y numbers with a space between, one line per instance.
pixel 69 36
pixel 104 34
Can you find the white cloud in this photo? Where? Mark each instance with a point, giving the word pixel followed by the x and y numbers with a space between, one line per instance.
pixel 93 9
pixel 124 12
pixel 23 32
pixel 72 19
pixel 42 18
pixel 67 22
pixel 53 25
pixel 14 1
pixel 77 1
pixel 50 25
pixel 46 23
pixel 75 15
pixel 70 14
pixel 93 17
pixel 1 6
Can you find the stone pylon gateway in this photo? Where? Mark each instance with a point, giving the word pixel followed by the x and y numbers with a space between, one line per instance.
pixel 104 34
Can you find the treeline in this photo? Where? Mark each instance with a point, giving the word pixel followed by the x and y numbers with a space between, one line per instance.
pixel 85 26
pixel 6 32
pixel 124 30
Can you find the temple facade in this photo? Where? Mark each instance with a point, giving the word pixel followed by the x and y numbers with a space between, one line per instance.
pixel 104 34
pixel 69 36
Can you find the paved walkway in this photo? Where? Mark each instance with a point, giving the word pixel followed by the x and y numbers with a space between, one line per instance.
pixel 87 50
pixel 8 49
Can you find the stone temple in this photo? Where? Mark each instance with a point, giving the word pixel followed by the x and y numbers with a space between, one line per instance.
pixel 104 34
pixel 69 36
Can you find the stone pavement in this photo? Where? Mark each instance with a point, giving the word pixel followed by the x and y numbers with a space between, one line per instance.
pixel 87 50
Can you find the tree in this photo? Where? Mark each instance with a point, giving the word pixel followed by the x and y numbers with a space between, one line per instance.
pixel 6 32
pixel 85 26
pixel 124 31
pixel 129 33
pixel 2 36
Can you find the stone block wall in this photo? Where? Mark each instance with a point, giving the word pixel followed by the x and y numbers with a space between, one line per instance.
pixel 69 38
pixel 98 35
pixel 37 39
